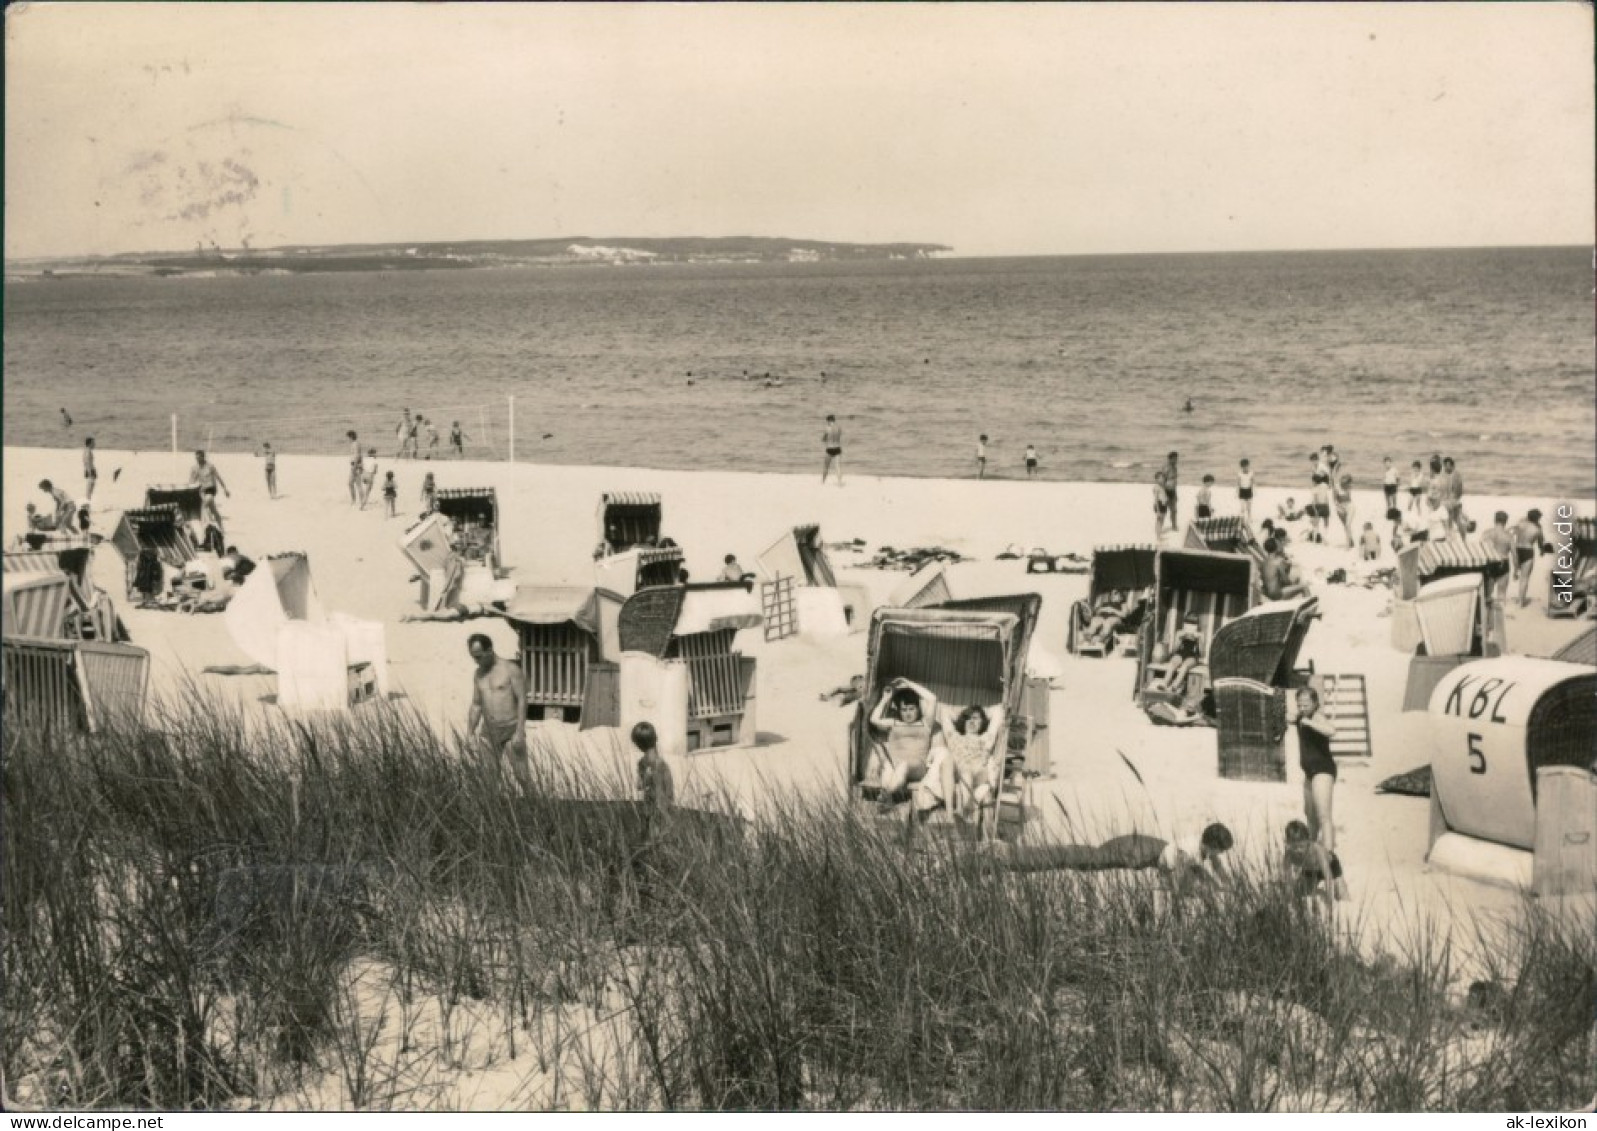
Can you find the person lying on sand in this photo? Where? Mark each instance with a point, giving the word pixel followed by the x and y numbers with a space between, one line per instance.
pixel 1179 861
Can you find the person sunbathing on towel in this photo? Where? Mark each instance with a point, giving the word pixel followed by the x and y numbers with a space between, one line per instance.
pixel 905 718
pixel 1184 657
pixel 1179 861
pixel 967 768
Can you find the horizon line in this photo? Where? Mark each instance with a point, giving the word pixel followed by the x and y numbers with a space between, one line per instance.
pixel 948 253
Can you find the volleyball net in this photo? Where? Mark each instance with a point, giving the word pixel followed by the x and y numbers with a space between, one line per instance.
pixel 483 433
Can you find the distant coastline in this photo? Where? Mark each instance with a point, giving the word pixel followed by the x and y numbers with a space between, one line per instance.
pixel 572 251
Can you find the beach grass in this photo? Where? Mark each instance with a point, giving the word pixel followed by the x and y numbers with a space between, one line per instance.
pixel 224 910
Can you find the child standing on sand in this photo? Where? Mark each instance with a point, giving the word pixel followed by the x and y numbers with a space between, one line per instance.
pixel 1161 504
pixel 1416 486
pixel 390 495
pixel 981 456
pixel 1369 543
pixel 1245 491
pixel 1031 461
pixel 429 494
pixel 1205 497
pixel 1389 482
pixel 457 440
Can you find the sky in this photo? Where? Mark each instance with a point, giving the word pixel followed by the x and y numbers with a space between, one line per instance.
pixel 995 129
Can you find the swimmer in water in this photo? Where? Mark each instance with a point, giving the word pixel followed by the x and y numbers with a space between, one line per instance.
pixel 1188 406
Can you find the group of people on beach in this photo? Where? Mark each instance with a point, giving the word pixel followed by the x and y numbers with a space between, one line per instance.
pixel 411 430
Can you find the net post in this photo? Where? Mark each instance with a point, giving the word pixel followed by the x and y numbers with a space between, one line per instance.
pixel 512 399
pixel 174 445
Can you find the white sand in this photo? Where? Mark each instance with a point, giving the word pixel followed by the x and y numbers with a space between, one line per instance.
pixel 549 527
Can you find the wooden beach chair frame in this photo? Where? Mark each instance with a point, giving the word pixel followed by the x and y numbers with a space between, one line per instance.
pixel 159 529
pixel 799 554
pixel 1218 587
pixel 91 614
pixel 562 633
pixel 73 685
pixel 187 497
pixel 636 517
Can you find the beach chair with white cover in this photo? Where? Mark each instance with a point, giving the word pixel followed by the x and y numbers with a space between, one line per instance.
pixel 697 626
pixel 1497 726
pixel 323 661
pixel 1126 569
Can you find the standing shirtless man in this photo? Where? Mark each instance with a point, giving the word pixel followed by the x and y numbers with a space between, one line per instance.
pixel 832 440
pixel 498 710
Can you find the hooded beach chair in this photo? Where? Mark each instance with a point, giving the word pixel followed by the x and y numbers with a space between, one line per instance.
pixel 963 656
pixel 569 640
pixel 798 554
pixel 151 541
pixel 73 685
pixel 1253 665
pixel 322 661
pixel 1502 731
pixel 695 626
pixel 1212 587
pixel 1127 569
pixel 630 556
pixel 90 613
pixel 188 498
pixel 35 604
pixel 474 513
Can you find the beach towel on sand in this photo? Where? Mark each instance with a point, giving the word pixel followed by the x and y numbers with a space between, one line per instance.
pixel 1415 783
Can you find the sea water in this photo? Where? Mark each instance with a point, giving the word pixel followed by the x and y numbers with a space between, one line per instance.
pixel 1485 355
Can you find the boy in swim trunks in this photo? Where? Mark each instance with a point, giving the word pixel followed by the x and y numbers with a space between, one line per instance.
pixel 1170 475
pixel 1245 491
pixel 1389 482
pixel 1369 543
pixel 1031 462
pixel 981 456
pixel 832 441
pixel 1161 504
pixel 1205 497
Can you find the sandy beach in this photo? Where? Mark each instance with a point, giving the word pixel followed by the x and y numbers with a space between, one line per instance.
pixel 548 531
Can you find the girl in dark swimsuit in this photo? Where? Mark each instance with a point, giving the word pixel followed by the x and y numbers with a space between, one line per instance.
pixel 1319 770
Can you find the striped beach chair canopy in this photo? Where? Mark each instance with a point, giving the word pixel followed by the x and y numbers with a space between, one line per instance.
pixel 1120 567
pixel 627 518
pixel 554 604
pixel 1452 557
pixel 72 555
pixel 159 528
pixel 480 504
pixel 1584 537
pixel 1228 534
pixel 187 497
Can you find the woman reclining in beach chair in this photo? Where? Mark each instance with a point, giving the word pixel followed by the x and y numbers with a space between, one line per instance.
pixel 905 722
pixel 1184 656
pixel 966 769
